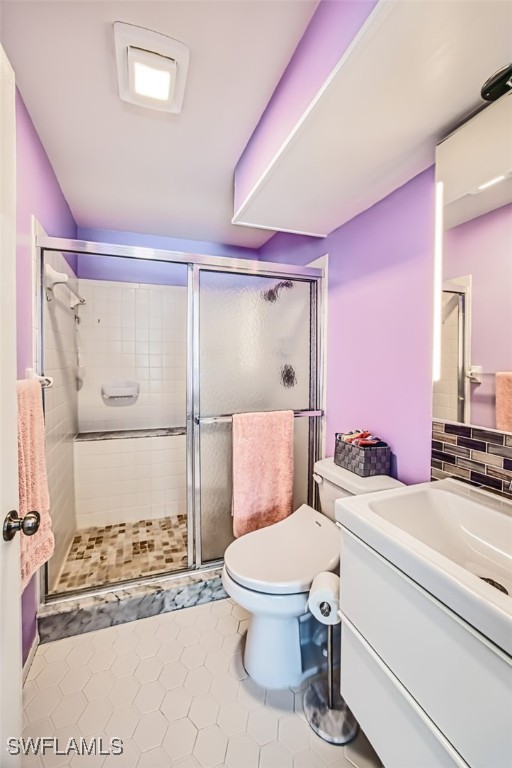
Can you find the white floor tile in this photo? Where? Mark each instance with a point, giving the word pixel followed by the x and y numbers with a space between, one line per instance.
pixel 274 755
pixel 101 683
pixel 308 759
pixel 69 710
pixel 233 718
pixel 149 670
pixel 150 731
pixel 174 689
pixel 74 680
pixel 180 739
pixel 149 697
pixel 263 725
pixel 210 747
pixel 243 750
pixel 176 704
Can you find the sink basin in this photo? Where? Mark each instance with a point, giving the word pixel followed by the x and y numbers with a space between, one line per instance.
pixel 448 537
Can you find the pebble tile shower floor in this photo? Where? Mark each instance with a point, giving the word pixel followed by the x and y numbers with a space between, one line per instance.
pixel 174 689
pixel 123 551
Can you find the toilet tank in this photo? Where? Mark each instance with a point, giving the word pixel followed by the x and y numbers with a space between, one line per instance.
pixel 335 482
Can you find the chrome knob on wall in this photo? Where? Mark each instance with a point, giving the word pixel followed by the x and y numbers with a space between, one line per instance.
pixel 27 525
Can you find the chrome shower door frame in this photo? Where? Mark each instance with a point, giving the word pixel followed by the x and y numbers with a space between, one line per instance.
pixel 315 411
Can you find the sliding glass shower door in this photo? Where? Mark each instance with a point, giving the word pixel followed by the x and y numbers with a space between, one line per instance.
pixel 254 349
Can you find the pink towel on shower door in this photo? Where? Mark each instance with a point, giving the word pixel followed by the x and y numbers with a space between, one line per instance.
pixel 33 484
pixel 504 401
pixel 262 469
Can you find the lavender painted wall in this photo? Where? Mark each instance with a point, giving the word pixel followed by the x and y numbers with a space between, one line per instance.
pixel 131 270
pixel 379 321
pixel 134 271
pixel 331 30
pixel 38 194
pixel 483 248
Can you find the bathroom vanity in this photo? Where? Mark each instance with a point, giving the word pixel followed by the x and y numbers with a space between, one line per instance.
pixel 426 641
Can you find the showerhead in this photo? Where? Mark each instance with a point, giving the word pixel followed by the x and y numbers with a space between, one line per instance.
pixel 273 293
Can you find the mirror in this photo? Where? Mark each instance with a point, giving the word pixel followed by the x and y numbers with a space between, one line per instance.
pixel 474 165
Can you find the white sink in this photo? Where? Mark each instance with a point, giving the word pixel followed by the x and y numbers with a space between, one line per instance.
pixel 447 537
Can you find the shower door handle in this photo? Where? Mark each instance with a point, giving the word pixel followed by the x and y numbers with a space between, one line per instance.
pixel 27 525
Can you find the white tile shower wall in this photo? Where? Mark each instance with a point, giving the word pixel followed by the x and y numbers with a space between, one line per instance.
pixel 61 411
pixel 131 479
pixel 136 332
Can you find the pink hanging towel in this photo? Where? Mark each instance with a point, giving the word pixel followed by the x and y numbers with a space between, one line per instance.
pixel 33 483
pixel 262 469
pixel 504 401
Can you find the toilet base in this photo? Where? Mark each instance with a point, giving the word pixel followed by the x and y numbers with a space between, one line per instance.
pixel 272 651
pixel 272 656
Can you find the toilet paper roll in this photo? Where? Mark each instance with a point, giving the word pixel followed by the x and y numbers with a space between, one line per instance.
pixel 324 598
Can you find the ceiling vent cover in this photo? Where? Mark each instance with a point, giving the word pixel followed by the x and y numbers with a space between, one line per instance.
pixel 151 68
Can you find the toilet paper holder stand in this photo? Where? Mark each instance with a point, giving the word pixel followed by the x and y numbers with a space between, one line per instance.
pixel 326 711
pixel 325 610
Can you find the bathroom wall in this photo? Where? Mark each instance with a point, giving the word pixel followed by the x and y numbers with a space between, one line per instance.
pixel 135 332
pixel 482 248
pixel 144 240
pixel 130 479
pixel 379 321
pixel 38 194
pixel 61 411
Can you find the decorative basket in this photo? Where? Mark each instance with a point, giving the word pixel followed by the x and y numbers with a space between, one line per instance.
pixel 364 461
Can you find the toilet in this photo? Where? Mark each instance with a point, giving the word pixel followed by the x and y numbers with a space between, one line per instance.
pixel 269 573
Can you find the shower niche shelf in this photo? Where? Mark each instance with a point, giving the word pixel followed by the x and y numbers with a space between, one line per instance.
pixel 119 393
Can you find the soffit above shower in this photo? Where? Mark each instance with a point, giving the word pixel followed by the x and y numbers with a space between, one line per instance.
pixel 413 71
pixel 128 168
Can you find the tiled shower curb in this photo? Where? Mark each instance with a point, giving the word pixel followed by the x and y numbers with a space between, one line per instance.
pixel 75 615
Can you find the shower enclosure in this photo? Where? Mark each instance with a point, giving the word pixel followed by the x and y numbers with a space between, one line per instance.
pixel 143 489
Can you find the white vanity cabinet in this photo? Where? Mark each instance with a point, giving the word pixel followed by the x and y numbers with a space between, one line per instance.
pixel 428 689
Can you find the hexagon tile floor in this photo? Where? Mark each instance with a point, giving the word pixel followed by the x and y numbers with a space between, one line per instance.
pixel 173 688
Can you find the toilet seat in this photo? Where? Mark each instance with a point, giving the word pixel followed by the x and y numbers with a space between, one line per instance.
pixel 284 558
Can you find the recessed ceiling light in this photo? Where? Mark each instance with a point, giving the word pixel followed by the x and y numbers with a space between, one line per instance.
pixel 151 68
pixel 150 74
pixel 491 183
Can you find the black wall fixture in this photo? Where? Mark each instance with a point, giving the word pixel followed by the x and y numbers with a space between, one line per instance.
pixel 498 84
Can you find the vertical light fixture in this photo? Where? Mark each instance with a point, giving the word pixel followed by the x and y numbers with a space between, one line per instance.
pixel 438 281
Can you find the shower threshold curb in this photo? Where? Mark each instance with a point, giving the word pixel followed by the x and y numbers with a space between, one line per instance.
pixel 69 616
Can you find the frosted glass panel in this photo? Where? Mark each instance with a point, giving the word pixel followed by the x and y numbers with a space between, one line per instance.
pixel 216 486
pixel 254 343
pixel 216 483
pixel 254 355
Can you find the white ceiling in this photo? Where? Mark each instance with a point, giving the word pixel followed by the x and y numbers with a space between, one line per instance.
pixel 122 167
pixel 415 72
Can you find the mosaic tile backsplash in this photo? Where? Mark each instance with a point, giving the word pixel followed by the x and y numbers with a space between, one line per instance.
pixel 477 456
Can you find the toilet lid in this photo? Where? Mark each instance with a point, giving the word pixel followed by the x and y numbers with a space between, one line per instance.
pixel 284 558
